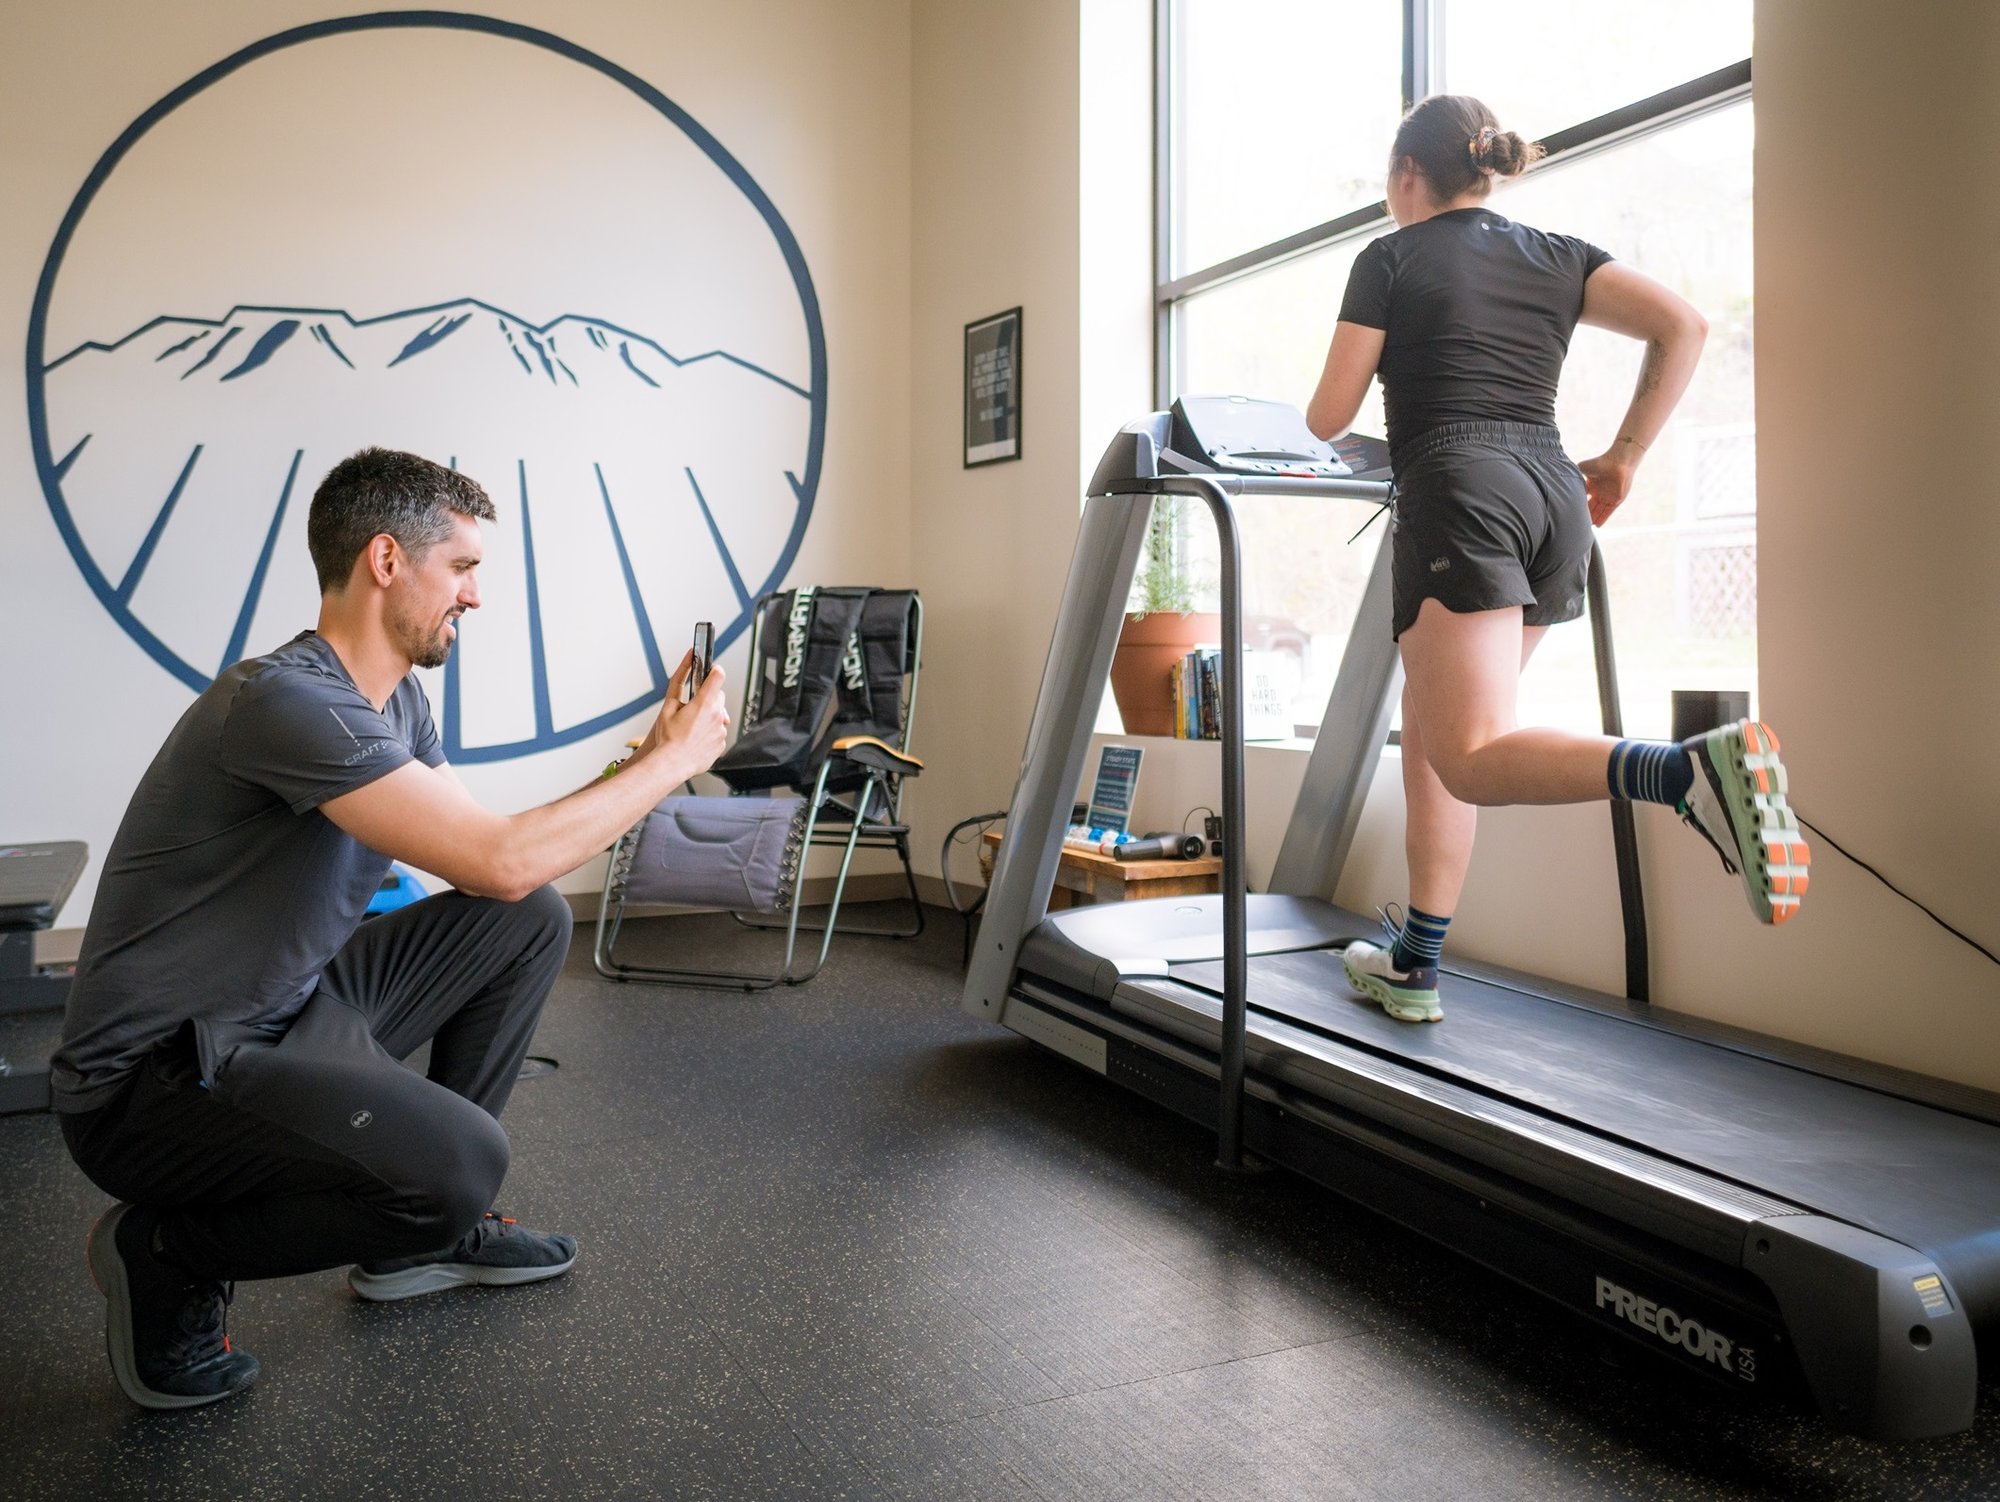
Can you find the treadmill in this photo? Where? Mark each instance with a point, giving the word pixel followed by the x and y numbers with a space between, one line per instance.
pixel 1771 1216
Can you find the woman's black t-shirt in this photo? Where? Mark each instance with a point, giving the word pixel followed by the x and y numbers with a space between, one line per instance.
pixel 1478 313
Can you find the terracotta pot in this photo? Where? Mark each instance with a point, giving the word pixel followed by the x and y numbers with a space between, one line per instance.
pixel 1149 649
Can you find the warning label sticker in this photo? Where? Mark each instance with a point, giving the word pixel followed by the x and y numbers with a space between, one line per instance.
pixel 1930 1288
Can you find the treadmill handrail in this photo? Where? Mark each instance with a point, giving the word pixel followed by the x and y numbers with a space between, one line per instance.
pixel 1235 919
pixel 1624 830
pixel 1342 488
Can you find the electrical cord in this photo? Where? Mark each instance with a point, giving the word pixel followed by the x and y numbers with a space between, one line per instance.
pixel 1955 933
pixel 1199 808
pixel 944 859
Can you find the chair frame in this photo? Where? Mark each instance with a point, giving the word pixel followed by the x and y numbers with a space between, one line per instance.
pixel 895 834
pixel 854 835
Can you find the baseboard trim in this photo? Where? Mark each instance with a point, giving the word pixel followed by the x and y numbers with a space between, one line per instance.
pixel 60 946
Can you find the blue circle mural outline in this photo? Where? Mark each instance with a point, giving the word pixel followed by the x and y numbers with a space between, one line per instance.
pixel 50 470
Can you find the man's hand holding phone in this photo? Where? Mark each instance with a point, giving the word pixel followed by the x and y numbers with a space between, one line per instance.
pixel 701 658
pixel 693 723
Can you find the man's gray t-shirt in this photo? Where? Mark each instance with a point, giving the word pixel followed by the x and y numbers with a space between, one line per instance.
pixel 226 891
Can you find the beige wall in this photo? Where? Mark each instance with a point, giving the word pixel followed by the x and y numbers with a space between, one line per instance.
pixel 812 100
pixel 1877 388
pixel 994 213
pixel 945 160
pixel 1876 207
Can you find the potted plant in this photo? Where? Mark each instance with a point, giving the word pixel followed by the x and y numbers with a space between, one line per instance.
pixel 1161 624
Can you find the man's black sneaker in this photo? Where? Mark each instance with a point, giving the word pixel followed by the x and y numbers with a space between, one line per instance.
pixel 163 1332
pixel 494 1252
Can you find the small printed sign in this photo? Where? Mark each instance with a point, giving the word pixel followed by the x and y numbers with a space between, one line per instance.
pixel 993 389
pixel 1117 785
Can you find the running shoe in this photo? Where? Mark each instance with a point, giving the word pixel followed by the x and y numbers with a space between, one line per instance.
pixel 1406 995
pixel 1738 805
pixel 163 1331
pixel 496 1252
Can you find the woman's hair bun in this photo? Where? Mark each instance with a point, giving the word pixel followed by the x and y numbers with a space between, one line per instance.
pixel 1455 142
pixel 1505 154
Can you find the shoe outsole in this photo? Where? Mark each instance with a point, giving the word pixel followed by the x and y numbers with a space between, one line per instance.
pixel 107 1273
pixel 436 1277
pixel 1378 991
pixel 1772 855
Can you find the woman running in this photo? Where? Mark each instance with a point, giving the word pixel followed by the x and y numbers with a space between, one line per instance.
pixel 1467 316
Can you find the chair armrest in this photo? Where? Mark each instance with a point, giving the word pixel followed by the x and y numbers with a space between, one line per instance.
pixel 868 751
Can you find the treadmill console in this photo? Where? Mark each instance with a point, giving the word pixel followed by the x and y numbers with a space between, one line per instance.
pixel 1248 436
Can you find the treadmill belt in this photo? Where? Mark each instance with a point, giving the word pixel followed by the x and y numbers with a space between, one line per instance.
pixel 1916 1174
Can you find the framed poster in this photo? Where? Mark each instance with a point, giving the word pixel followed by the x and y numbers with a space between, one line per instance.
pixel 993 389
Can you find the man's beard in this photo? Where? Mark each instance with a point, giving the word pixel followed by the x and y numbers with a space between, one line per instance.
pixel 417 641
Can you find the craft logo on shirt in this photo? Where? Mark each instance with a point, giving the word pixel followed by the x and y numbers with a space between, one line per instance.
pixel 362 749
pixel 523 261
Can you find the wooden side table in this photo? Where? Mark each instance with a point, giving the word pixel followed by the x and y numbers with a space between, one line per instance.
pixel 1084 876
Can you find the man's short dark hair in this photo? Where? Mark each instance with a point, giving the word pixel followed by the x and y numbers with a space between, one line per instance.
pixel 384 490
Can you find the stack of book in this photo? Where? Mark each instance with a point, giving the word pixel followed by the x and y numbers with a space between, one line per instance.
pixel 1197 684
pixel 1197 687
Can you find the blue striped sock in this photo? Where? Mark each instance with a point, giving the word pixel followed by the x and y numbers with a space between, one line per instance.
pixel 1650 772
pixel 1421 941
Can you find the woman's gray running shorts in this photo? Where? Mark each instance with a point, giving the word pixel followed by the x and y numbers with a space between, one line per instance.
pixel 1489 515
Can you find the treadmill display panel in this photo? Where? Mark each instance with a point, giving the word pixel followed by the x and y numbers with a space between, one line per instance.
pixel 1248 436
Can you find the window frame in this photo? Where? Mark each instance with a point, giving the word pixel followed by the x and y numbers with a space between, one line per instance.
pixel 1422 65
pixel 1726 86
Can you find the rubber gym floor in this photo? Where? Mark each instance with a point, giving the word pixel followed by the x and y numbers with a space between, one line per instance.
pixel 843 1241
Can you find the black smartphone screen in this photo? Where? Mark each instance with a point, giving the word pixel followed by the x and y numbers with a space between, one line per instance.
pixel 704 652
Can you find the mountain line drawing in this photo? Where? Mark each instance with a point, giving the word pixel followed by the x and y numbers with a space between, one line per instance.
pixel 633 485
pixel 387 340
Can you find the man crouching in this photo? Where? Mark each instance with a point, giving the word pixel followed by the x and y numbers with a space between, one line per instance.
pixel 229 1060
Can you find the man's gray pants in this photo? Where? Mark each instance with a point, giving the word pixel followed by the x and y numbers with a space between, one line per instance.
pixel 317 1147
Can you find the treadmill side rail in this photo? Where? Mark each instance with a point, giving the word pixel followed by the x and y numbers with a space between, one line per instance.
pixel 1882 1337
pixel 1109 537
pixel 1352 735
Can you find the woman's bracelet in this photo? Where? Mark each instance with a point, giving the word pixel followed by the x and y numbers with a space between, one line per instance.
pixel 1622 439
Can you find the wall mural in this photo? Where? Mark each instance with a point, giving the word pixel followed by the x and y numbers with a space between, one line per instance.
pixel 462 237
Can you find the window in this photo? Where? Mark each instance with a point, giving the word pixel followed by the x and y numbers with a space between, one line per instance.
pixel 1262 131
pixel 1646 111
pixel 1541 65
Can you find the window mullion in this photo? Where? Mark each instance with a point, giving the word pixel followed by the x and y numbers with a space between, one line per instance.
pixel 1423 24
pixel 1165 133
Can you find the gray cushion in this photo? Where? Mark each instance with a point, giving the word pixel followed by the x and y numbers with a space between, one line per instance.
pixel 738 853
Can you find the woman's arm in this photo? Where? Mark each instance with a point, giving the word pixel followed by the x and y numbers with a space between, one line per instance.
pixel 1627 302
pixel 1350 365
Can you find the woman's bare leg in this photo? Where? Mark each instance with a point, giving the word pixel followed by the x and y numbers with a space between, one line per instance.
pixel 1438 829
pixel 1463 675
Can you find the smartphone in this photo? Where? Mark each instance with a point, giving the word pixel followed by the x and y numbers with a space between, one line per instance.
pixel 704 657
